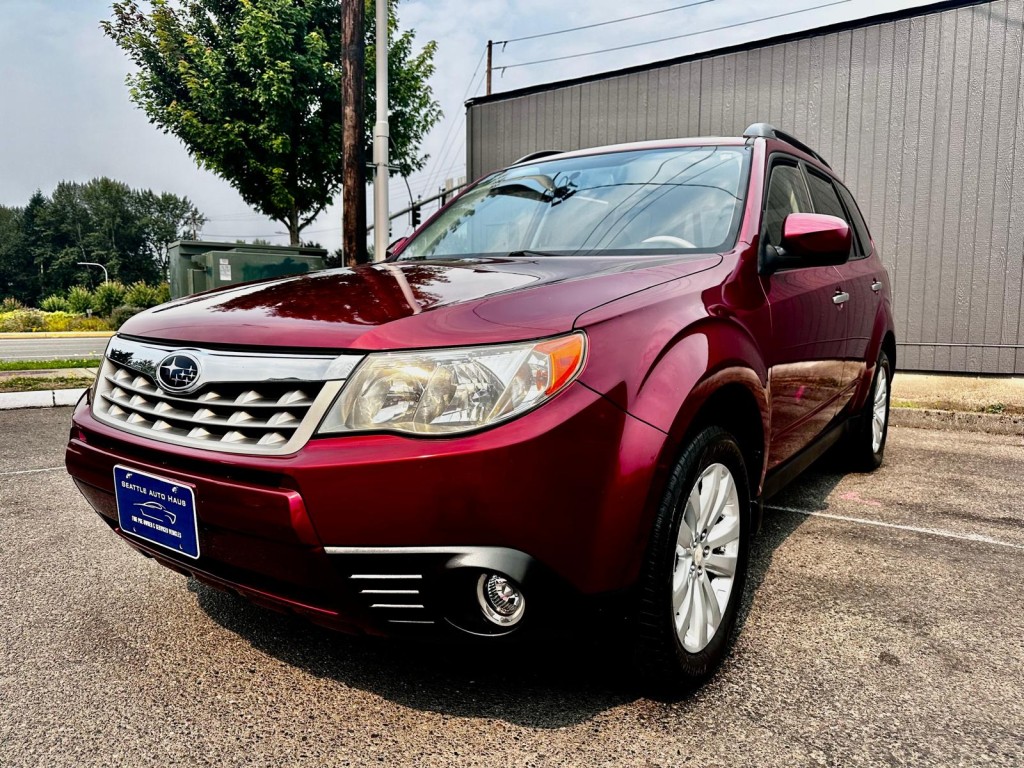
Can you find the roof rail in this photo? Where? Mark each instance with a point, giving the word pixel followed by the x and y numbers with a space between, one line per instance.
pixel 538 155
pixel 769 131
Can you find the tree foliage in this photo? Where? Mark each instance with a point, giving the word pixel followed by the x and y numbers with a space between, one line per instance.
pixel 102 221
pixel 252 88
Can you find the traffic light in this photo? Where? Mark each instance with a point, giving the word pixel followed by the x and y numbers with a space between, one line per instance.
pixel 415 214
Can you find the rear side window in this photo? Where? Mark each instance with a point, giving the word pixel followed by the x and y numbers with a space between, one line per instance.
pixel 786 194
pixel 826 200
pixel 859 226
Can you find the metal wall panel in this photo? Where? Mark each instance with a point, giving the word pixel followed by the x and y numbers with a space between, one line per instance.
pixel 923 116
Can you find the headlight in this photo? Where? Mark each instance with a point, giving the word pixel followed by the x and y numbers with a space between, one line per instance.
pixel 446 391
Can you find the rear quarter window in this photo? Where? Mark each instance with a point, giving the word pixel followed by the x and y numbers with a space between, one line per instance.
pixel 859 225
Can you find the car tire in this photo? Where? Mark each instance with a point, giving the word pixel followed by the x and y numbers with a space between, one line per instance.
pixel 866 444
pixel 707 502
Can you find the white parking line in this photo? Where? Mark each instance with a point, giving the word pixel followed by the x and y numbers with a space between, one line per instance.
pixel 913 528
pixel 30 471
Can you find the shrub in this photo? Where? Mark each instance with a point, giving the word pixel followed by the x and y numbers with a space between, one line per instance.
pixel 121 314
pixel 22 321
pixel 58 321
pixel 163 293
pixel 10 304
pixel 90 324
pixel 54 303
pixel 79 300
pixel 107 297
pixel 32 320
pixel 141 295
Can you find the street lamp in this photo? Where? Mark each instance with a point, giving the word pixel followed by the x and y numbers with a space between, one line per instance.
pixel 106 277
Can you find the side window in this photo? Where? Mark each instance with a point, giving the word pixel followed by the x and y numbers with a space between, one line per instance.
pixel 826 201
pixel 859 226
pixel 786 194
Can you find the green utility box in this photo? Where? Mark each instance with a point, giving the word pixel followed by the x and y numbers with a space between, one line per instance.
pixel 198 266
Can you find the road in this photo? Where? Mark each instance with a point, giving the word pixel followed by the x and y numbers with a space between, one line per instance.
pixel 882 626
pixel 51 349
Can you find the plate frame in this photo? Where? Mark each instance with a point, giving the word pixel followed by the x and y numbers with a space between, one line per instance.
pixel 192 495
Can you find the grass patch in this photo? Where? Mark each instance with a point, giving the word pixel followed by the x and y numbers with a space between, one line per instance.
pixel 894 403
pixel 43 365
pixel 940 404
pixel 42 383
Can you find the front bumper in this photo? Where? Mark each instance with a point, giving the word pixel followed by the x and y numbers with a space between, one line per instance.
pixel 559 499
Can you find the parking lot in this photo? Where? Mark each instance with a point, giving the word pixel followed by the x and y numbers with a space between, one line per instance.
pixel 883 626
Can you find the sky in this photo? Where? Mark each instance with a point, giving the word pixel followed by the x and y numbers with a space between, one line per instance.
pixel 66 114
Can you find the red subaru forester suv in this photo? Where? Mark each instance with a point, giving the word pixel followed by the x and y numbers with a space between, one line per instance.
pixel 578 381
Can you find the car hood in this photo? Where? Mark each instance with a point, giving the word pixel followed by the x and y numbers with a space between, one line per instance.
pixel 411 304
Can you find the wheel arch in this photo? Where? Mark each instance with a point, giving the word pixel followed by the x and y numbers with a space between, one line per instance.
pixel 735 408
pixel 734 398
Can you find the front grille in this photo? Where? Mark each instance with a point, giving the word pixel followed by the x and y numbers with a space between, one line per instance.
pixel 236 414
pixel 259 415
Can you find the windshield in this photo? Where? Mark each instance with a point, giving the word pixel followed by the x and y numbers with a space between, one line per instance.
pixel 684 199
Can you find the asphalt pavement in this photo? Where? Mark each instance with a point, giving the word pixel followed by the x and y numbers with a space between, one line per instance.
pixel 52 348
pixel 883 625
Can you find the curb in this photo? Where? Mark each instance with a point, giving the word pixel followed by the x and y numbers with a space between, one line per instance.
pixel 58 335
pixel 958 421
pixel 32 373
pixel 46 398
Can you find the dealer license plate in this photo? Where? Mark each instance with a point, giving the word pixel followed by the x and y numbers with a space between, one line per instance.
pixel 159 510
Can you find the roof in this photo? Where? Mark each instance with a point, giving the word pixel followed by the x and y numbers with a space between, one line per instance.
pixel 866 21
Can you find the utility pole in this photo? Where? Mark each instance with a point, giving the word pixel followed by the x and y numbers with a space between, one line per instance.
pixel 353 173
pixel 381 138
pixel 490 62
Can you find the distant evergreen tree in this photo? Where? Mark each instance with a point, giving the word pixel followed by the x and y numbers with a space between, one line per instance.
pixel 102 221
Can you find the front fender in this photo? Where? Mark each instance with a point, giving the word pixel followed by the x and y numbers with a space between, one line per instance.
pixel 667 377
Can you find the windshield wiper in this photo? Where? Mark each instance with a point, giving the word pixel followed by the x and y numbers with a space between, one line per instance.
pixel 528 253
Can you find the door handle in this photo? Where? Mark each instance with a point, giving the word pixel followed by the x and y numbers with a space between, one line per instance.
pixel 841 297
pixel 876 286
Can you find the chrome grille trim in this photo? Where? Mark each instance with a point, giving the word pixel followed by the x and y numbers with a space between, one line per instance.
pixel 247 403
pixel 233 366
pixel 401 597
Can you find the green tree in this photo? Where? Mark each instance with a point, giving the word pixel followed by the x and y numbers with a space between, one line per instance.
pixel 17 276
pixel 166 218
pixel 103 221
pixel 253 90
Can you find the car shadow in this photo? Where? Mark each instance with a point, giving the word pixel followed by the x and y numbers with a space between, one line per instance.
pixel 553 683
pixel 539 684
pixel 809 493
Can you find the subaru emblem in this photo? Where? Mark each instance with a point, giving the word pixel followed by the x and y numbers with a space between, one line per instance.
pixel 178 373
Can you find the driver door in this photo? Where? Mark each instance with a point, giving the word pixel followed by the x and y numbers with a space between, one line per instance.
pixel 808 329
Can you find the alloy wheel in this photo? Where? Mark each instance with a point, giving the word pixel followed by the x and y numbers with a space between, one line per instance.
pixel 879 410
pixel 706 554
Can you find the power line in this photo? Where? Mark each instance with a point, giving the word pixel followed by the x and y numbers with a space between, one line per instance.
pixel 600 23
pixel 673 37
pixel 442 153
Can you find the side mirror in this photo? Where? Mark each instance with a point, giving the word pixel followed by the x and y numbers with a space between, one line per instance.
pixel 396 247
pixel 809 240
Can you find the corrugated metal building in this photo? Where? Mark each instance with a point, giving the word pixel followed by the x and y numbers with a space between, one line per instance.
pixel 921 113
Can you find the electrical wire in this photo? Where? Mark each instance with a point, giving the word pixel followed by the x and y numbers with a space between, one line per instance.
pixel 475 79
pixel 503 43
pixel 673 37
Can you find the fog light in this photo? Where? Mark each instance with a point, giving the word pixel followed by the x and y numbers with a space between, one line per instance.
pixel 500 599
